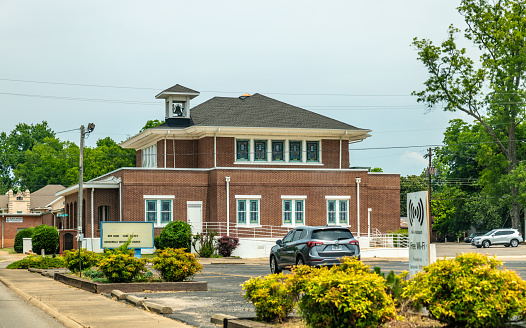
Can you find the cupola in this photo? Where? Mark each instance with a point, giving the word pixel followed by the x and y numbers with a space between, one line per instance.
pixel 177 104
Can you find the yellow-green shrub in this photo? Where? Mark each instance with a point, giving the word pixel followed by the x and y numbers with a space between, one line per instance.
pixel 273 296
pixel 121 267
pixel 87 258
pixel 349 295
pixel 38 262
pixel 174 264
pixel 469 291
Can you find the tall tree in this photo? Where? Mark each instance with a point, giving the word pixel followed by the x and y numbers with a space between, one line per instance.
pixel 491 89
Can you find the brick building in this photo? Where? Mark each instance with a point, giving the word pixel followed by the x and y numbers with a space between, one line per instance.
pixel 250 166
pixel 21 210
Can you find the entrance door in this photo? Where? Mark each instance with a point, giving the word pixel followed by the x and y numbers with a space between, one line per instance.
pixel 194 216
pixel 68 241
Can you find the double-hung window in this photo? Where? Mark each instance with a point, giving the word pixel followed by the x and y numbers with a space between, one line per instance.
pixel 158 209
pixel 248 210
pixel 338 210
pixel 294 210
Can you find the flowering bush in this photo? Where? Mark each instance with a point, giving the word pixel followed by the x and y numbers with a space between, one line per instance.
pixel 121 267
pixel 469 291
pixel 226 245
pixel 174 264
pixel 88 259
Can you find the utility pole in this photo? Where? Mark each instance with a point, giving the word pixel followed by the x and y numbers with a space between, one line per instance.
pixel 430 171
pixel 83 133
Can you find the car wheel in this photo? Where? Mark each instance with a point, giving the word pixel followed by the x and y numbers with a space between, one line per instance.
pixel 300 261
pixel 485 243
pixel 514 243
pixel 274 265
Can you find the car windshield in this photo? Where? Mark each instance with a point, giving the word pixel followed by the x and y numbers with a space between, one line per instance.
pixel 331 234
pixel 490 232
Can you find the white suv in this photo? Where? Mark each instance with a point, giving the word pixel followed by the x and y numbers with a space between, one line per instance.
pixel 506 237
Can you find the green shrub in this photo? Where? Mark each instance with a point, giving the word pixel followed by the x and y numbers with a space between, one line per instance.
pixel 122 249
pixel 46 238
pixel 176 264
pixel 395 284
pixel 226 245
pixel 272 296
pixel 37 262
pixel 469 291
pixel 349 295
pixel 176 234
pixel 204 243
pixel 19 239
pixel 121 267
pixel 88 259
pixel 156 242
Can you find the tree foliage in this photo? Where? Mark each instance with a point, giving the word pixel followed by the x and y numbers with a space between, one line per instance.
pixel 489 89
pixel 31 157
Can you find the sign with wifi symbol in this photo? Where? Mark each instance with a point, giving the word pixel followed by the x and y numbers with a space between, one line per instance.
pixel 418 231
pixel 416 213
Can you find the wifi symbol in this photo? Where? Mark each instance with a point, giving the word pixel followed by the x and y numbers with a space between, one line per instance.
pixel 416 212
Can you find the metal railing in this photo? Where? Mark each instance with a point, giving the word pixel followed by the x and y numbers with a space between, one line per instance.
pixel 379 239
pixel 263 231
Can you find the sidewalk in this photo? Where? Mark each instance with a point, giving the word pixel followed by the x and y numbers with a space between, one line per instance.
pixel 77 308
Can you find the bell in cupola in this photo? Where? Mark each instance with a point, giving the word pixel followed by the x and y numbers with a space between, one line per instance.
pixel 177 110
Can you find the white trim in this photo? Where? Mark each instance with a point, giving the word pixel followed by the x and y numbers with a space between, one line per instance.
pixel 278 163
pixel 248 196
pixel 158 196
pixel 337 197
pixel 292 197
pixel 194 202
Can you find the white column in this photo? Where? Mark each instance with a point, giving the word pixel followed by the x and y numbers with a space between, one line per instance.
pixel 369 210
pixel 358 180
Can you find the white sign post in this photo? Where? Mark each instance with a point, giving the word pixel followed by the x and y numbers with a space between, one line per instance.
pixel 418 228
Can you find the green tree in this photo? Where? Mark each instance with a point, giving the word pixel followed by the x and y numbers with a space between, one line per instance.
pixel 491 89
pixel 409 184
pixel 151 124
pixel 13 146
pixel 106 157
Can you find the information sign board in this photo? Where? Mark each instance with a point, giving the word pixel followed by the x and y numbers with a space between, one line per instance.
pixel 14 220
pixel 418 228
pixel 115 233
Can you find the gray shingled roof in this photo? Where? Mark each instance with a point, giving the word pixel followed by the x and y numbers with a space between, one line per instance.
pixel 260 111
pixel 180 88
pixel 43 196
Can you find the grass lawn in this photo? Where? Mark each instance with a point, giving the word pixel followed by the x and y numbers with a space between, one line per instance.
pixel 10 250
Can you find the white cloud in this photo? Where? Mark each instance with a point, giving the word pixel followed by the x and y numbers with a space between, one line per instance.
pixel 412 162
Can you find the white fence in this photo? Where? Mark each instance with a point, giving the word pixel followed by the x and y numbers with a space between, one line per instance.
pixel 376 239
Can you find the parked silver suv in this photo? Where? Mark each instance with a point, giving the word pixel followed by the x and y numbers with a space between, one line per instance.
pixel 506 237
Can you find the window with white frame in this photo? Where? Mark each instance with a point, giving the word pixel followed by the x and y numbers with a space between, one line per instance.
pixel 149 156
pixel 338 210
pixel 158 209
pixel 248 210
pixel 278 151
pixel 293 210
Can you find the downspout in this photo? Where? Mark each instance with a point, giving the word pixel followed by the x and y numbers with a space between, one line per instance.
pixel 92 219
pixel 3 218
pixel 227 179
pixel 358 180
pixel 120 200
pixel 215 147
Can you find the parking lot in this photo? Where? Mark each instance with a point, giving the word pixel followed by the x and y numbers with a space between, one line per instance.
pixel 224 293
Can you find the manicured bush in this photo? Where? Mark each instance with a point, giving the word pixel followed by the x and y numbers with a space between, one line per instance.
pixel 176 234
pixel 469 291
pixel 226 245
pixel 203 243
pixel 88 259
pixel 121 267
pixel 345 296
pixel 19 239
pixel 272 296
pixel 38 262
pixel 176 264
pixel 46 238
pixel 156 242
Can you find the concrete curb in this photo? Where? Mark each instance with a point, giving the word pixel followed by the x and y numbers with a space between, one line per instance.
pixel 65 320
pixel 228 321
pixel 142 303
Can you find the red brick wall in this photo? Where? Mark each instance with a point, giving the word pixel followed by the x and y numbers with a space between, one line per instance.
pixel 200 154
pixel 380 192
pixel 10 229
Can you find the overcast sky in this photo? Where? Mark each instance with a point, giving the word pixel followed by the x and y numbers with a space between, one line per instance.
pixel 349 60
